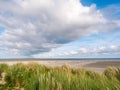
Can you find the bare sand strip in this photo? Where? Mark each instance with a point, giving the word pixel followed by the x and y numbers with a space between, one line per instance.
pixel 73 63
pixel 100 66
pixel 95 65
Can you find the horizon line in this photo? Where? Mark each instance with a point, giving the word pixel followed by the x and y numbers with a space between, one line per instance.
pixel 3 59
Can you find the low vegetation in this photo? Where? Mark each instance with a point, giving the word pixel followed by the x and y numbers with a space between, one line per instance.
pixel 39 77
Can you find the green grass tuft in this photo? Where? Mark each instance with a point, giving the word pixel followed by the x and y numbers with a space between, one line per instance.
pixel 34 76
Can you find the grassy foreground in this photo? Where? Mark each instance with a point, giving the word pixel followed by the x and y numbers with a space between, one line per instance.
pixel 39 77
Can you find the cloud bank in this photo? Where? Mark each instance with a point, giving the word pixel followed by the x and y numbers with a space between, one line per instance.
pixel 36 26
pixel 83 52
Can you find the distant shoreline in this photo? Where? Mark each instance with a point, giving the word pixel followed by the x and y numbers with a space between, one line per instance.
pixel 39 59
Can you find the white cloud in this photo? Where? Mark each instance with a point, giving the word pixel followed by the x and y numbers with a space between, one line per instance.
pixel 112 11
pixel 34 26
pixel 108 50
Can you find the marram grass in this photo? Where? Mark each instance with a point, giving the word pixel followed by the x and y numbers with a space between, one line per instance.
pixel 39 77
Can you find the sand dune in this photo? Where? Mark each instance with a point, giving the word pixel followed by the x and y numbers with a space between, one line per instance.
pixel 95 65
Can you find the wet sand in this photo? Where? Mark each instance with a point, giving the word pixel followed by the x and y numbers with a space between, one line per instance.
pixel 103 64
pixel 96 65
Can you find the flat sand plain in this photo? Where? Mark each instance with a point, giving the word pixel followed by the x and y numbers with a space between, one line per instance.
pixel 96 65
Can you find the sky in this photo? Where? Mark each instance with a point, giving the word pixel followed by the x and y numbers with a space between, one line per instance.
pixel 59 29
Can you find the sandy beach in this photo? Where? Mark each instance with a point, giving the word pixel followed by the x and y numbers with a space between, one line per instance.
pixel 96 65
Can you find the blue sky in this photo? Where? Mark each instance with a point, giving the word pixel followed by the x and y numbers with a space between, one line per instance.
pixel 85 29
pixel 100 3
pixel 1 30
